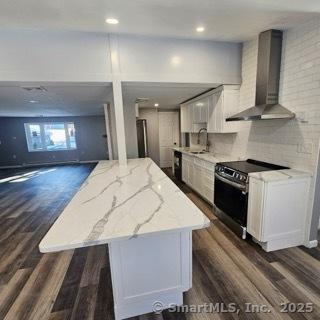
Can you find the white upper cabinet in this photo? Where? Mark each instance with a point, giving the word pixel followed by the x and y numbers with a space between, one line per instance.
pixel 211 110
pixel 186 112
pixel 224 102
pixel 200 110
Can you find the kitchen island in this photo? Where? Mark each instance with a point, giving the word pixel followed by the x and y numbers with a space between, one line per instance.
pixel 147 223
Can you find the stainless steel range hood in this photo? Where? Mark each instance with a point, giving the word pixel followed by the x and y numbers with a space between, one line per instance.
pixel 267 85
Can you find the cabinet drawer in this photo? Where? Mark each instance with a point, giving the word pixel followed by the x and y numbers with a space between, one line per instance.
pixel 209 174
pixel 205 164
pixel 198 162
pixel 186 157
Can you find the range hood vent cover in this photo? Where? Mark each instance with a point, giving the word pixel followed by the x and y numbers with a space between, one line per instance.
pixel 267 86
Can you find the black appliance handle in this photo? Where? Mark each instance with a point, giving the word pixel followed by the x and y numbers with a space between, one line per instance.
pixel 239 186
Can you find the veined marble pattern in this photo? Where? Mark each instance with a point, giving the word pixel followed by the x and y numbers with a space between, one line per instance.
pixel 279 175
pixel 122 202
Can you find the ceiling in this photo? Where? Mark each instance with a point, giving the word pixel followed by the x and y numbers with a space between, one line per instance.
pixel 74 99
pixel 227 20
pixel 168 96
pixel 58 99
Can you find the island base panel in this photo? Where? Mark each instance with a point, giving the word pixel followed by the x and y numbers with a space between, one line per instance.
pixel 150 272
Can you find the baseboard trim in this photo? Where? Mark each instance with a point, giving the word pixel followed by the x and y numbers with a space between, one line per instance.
pixel 11 167
pixel 91 161
pixel 312 244
pixel 44 164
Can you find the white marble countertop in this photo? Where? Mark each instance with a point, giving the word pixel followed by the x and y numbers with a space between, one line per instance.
pixel 279 175
pixel 122 202
pixel 209 157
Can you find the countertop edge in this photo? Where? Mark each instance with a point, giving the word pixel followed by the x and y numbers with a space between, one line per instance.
pixel 280 175
pixel 51 249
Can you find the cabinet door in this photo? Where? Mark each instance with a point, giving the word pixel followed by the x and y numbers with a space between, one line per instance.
pixel 200 110
pixel 196 113
pixel 184 118
pixel 184 171
pixel 197 182
pixel 207 182
pixel 223 104
pixel 190 117
pixel 204 113
pixel 190 173
pixel 218 112
pixel 212 101
pixel 204 110
pixel 285 207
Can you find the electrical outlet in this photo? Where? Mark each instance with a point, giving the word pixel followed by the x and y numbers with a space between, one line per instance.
pixel 305 147
pixel 301 117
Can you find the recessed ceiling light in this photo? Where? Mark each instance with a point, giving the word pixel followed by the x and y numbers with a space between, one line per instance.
pixel 175 60
pixel 112 21
pixel 156 104
pixel 33 101
pixel 200 29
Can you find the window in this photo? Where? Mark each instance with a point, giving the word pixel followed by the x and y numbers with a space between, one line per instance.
pixel 51 136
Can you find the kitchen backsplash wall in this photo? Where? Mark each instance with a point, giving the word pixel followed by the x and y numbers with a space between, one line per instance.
pixel 294 143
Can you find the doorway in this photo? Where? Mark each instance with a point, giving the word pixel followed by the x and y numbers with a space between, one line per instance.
pixel 168 136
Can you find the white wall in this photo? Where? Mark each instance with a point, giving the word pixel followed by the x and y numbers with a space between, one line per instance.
pixel 29 55
pixel 54 56
pixel 278 141
pixel 177 60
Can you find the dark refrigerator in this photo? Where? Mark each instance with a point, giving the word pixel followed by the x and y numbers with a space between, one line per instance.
pixel 142 138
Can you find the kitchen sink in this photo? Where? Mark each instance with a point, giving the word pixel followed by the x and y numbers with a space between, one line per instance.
pixel 198 152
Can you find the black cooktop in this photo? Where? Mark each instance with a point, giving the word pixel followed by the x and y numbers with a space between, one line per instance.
pixel 251 165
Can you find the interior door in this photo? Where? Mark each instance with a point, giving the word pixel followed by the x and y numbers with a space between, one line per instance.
pixel 168 136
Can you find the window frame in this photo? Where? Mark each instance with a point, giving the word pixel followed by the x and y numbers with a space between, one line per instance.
pixel 42 136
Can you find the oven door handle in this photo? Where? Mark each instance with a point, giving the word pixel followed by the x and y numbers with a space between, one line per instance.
pixel 238 186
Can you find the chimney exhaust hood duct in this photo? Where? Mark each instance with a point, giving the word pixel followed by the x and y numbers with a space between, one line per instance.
pixel 267 85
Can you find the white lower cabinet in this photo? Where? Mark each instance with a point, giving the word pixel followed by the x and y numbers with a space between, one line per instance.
pixel 187 170
pixel 199 175
pixel 277 212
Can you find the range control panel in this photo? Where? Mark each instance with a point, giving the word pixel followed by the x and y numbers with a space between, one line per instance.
pixel 230 173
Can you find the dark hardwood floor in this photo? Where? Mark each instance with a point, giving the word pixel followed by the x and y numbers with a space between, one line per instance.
pixel 76 284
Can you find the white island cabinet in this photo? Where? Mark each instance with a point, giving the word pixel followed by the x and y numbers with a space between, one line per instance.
pixel 277 208
pixel 147 223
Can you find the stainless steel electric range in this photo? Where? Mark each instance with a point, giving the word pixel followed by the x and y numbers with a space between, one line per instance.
pixel 231 191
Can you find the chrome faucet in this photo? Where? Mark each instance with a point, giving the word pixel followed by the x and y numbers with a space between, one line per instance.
pixel 207 140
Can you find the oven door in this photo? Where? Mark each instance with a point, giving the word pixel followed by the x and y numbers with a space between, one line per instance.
pixel 231 198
